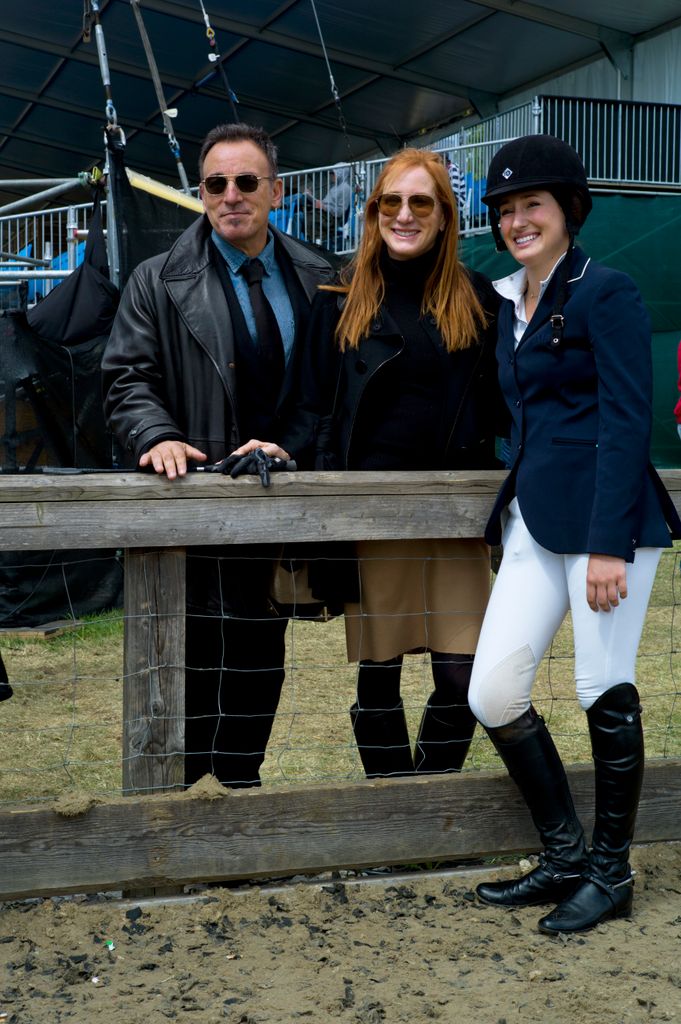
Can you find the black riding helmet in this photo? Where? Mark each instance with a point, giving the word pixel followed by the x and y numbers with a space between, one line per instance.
pixel 539 161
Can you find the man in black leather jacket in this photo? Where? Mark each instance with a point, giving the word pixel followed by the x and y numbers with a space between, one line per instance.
pixel 191 371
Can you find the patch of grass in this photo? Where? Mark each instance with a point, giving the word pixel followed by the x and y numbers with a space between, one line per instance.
pixel 63 727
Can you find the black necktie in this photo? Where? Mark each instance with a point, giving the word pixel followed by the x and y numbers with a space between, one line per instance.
pixel 270 347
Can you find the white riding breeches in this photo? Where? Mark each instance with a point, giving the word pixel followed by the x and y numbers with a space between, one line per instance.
pixel 533 592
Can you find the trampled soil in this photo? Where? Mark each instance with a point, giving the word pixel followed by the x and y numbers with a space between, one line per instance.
pixel 391 948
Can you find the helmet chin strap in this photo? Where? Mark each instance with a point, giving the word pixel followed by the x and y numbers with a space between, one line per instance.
pixel 494 224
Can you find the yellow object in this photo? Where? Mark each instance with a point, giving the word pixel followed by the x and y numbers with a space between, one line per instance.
pixel 156 188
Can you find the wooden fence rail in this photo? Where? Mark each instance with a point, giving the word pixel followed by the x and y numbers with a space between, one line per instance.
pixel 169 839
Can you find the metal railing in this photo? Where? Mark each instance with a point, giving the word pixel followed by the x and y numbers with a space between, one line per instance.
pixel 42 247
pixel 623 144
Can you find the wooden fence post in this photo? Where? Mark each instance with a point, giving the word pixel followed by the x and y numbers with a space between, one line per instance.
pixel 154 658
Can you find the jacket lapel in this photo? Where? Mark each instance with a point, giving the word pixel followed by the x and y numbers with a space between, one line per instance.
pixel 578 264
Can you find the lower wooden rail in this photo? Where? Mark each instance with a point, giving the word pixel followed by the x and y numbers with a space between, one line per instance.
pixel 168 840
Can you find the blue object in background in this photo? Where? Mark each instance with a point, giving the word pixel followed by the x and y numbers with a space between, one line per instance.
pixel 290 216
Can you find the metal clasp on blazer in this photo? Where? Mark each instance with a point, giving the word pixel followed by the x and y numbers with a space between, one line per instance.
pixel 557 325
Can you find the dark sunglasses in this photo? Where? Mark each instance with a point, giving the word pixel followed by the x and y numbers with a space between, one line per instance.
pixel 390 203
pixel 215 184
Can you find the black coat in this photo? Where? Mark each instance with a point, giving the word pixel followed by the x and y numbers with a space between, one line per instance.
pixel 169 373
pixel 169 366
pixel 334 387
pixel 581 414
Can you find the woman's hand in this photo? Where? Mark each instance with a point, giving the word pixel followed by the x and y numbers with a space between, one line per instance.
pixel 269 448
pixel 606 582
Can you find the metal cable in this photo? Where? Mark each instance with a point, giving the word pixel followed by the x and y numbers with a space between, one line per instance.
pixel 156 79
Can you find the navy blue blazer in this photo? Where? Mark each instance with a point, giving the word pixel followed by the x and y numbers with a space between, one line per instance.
pixel 581 421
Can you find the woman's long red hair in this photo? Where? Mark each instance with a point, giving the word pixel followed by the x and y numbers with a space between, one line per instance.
pixel 448 295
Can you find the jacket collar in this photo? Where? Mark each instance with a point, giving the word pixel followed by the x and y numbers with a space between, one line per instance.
pixel 512 286
pixel 579 263
pixel 190 254
pixel 382 326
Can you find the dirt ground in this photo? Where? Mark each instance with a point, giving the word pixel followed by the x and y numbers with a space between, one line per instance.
pixel 411 947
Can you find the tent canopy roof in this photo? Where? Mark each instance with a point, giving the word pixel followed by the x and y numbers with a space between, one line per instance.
pixel 401 69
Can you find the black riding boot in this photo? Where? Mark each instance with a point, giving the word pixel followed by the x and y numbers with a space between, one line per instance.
pixel 382 740
pixel 606 890
pixel 527 750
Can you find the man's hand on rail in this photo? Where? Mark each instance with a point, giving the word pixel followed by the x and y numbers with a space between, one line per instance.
pixel 170 457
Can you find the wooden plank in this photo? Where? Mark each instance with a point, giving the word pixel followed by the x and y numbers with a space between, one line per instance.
pixel 212 521
pixel 154 657
pixel 104 510
pixel 174 839
pixel 138 486
pixel 95 487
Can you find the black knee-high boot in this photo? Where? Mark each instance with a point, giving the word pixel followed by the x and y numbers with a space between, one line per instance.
pixel 378 720
pixel 606 890
pixel 448 724
pixel 382 740
pixel 529 753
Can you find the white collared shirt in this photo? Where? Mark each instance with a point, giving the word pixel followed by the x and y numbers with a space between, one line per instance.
pixel 514 287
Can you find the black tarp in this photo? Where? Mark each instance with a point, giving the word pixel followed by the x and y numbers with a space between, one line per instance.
pixel 145 224
pixel 51 416
pixel 51 406
pixel 83 306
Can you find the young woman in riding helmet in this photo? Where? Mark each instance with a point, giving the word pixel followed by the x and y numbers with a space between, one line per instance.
pixel 583 518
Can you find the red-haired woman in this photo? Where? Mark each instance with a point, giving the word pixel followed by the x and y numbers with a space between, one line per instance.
pixel 400 374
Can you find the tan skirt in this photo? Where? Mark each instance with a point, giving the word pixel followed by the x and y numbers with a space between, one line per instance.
pixel 418 595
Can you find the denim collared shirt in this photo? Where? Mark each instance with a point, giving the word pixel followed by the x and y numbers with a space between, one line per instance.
pixel 273 285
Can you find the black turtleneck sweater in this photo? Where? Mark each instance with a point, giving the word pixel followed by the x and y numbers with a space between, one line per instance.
pixel 401 421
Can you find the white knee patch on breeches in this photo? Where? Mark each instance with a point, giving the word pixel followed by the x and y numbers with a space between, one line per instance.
pixel 503 694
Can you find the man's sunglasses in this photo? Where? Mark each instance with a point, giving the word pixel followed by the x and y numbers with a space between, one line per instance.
pixel 215 184
pixel 390 203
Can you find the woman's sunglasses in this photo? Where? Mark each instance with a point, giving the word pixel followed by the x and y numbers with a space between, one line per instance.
pixel 215 184
pixel 390 203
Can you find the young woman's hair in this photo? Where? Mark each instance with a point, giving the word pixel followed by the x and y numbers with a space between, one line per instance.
pixel 448 295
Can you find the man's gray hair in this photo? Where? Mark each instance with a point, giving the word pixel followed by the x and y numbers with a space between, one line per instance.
pixel 239 132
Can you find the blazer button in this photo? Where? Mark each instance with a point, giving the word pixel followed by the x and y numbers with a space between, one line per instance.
pixel 231 366
pixel 518 403
pixel 520 446
pixel 361 366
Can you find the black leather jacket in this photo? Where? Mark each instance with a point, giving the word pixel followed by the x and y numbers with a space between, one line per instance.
pixel 334 386
pixel 168 369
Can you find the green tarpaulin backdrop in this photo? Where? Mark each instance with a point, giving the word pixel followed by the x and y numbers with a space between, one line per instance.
pixel 639 235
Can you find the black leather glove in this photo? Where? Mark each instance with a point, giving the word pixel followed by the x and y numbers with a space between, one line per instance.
pixel 256 462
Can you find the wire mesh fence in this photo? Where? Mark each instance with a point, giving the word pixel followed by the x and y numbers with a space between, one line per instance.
pixel 62 731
